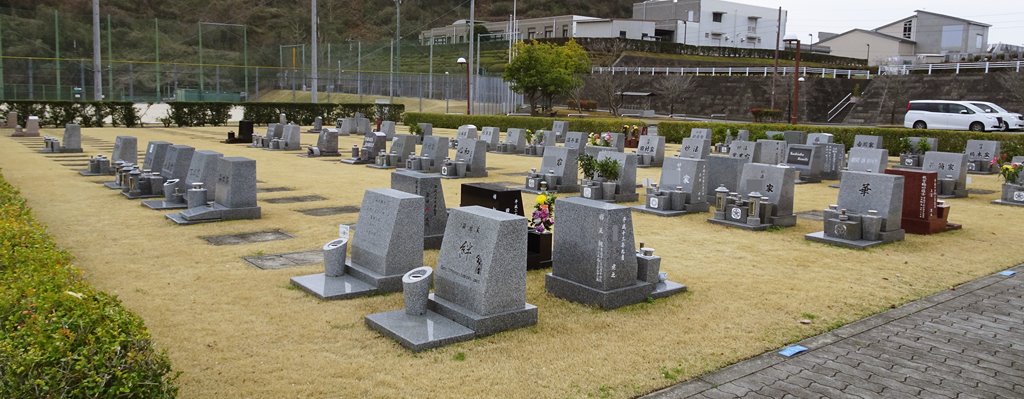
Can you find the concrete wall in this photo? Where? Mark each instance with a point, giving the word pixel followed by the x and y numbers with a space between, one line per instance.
pixel 932 28
pixel 896 28
pixel 875 107
pixel 610 28
pixel 854 44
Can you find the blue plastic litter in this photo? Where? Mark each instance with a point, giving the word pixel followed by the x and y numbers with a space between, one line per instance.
pixel 1008 273
pixel 792 350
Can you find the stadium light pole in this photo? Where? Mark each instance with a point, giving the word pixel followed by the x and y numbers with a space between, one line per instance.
pixel 794 109
pixel 313 72
pixel 462 61
pixel 97 68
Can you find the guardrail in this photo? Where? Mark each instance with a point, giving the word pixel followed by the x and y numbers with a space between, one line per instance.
pixel 955 67
pixel 733 71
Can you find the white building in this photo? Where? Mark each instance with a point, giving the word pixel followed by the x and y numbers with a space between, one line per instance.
pixel 560 26
pixel 713 22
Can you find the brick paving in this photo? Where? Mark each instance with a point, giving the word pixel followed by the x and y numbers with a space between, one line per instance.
pixel 961 343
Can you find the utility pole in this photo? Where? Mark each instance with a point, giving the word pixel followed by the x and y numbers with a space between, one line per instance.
pixel 775 71
pixel 110 62
pixel 430 75
pixel 313 74
pixel 156 42
pixel 97 67
pixel 2 96
pixel 398 36
pixel 56 45
pixel 472 37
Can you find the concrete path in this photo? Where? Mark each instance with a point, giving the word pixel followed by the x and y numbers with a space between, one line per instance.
pixel 961 343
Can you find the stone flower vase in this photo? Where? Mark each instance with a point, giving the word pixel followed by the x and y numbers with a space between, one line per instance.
pixel 416 289
pixel 608 190
pixel 334 257
pixel 1010 191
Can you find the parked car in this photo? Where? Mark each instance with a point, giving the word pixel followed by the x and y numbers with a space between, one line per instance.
pixel 1011 121
pixel 949 115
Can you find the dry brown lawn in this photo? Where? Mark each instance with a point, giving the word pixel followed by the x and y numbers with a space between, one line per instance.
pixel 237 331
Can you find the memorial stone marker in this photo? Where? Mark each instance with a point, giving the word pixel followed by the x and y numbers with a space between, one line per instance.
pixel 402 146
pixel 326 144
pixel 470 160
pixel 492 196
pixel 866 159
pixel 388 128
pixel 680 191
pixel 435 212
pixel 373 144
pixel 808 160
pixel 202 169
pixel 576 141
pixel 559 172
pixel 980 154
pixel 650 151
pixel 869 212
pixel 234 198
pixel 515 142
pixel 952 170
pixel 772 152
pixel 923 212
pixel 490 135
pixel 764 199
pixel 695 148
pixel 432 155
pixel 561 128
pixel 914 157
pixel 621 190
pixel 866 141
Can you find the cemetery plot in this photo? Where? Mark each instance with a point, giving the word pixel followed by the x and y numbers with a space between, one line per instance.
pixel 869 212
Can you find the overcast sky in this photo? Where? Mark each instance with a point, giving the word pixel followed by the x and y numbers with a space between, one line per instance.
pixel 813 16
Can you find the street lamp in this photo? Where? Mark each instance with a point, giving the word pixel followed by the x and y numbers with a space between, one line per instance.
pixel 868 57
pixel 811 41
pixel 462 61
pixel 791 39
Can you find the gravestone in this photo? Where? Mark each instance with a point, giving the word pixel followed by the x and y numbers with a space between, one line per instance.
pixel 318 125
pixel 868 213
pixel 373 144
pixel 742 135
pixel 72 138
pixel 819 138
pixel 490 136
pixel 650 151
pixel 245 133
pixel 866 141
pixel 541 139
pixel 695 148
pixel 401 146
pixel 12 119
pixel 616 143
pixel 432 155
pixel 952 172
pixel 202 169
pixel 980 154
pixel 479 285
pixel 744 149
pixel 435 212
pixel 347 127
pixel 681 190
pixel 764 199
pixel 234 197
pixel 622 190
pixel 773 152
pixel 725 170
pixel 914 158
pixel 594 260
pixel 388 128
pixel 426 129
pixel 561 129
pixel 492 196
pixel 794 137
pixel 156 152
pixel 866 159
pixel 31 127
pixel 700 134
pixel 515 142
pixel 1013 191
pixel 833 159
pixel 576 141
pixel 652 130
pixel 808 160
pixel 470 161
pixel 326 144
pixel 290 140
pixel 282 119
pixel 464 132
pixel 559 172
pixel 384 248
pixel 125 152
pixel 173 171
pixel 923 212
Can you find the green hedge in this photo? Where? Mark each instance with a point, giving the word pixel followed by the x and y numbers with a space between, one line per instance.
pixel 60 338
pixel 199 113
pixel 86 113
pixel 949 141
pixel 305 114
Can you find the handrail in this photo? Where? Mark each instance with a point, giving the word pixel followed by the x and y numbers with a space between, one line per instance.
pixel 832 113
pixel 732 71
pixel 954 66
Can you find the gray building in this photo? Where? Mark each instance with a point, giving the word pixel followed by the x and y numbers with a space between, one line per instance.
pixel 924 36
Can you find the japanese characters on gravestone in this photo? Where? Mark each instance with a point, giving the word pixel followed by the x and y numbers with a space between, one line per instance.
pixel 617 144
pixel 913 158
pixel 464 132
pixel 470 160
pixel 923 211
pixel 385 247
pixel 980 154
pixel 492 196
pixel 72 140
pixel 479 285
pixel 559 172
pixel 174 169
pixel 772 152
pixel 764 199
pixel 819 138
pixel 373 144
pixel 202 169
pixel 388 128
pixel 425 130
pixel 952 170
pixel 576 141
pixel 429 187
pixel 621 190
pixel 868 213
pixel 1013 191
pixel 234 195
pixel 561 128
pixel 326 144
pixel 833 159
pixel 680 191
pixel 808 160
pixel 490 136
pixel 402 147
pixel 650 151
pixel 694 148
pixel 595 261
pixel 432 155
pixel 514 143
pixel 543 138
pixel 700 134
pixel 866 141
pixel 866 159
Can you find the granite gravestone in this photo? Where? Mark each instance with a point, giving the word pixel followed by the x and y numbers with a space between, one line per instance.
pixel 621 190
pixel 913 158
pixel 326 144
pixel 492 196
pixel 373 144
pixel 808 160
pixel 865 159
pixel 742 135
pixel 432 154
pixel 491 136
pixel 833 159
pixel 479 285
pixel 12 119
pixel 561 129
pixel 245 133
pixel 869 212
pixel 724 170
pixel 866 141
pixel 156 156
pixel 385 247
pixel 541 139
pixel 923 212
pixel 282 119
pixel 470 160
pixel 616 142
pixel 650 151
pixel 695 148
pixel 764 199
pixel 819 138
pixel 559 172
pixel 202 169
pixel 464 132
pixel 402 145
pixel 700 134
pixel 794 137
pixel 234 198
pixel 72 140
pixel 952 172
pixel 174 169
pixel 680 191
pixel 31 127
pixel 435 212
pixel 318 125
pixel 980 154
pixel 652 130
pixel 388 128
pixel 515 142
pixel 773 152
pixel 594 260
pixel 125 149
pixel 426 129
pixel 576 141
pixel 155 152
pixel 290 140
pixel 348 126
pixel 1013 191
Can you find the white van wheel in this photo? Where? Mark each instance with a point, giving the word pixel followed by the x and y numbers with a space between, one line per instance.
pixel 977 127
pixel 920 125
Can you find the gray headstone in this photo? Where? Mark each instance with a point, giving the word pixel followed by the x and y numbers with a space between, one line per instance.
pixel 156 152
pixel 695 148
pixel 402 145
pixel 12 119
pixel 236 182
pixel 466 132
pixel 561 162
pixel 278 131
pixel 576 140
pixel 773 152
pixel 203 169
pixel 427 129
pixel 515 137
pixel 318 124
pixel 436 212
pixel 474 153
pixel 327 142
pixel 176 164
pixel 594 244
pixel 125 149
pixel 388 128
pixel 32 126
pixel 794 137
pixel 282 119
pixel 808 159
pixel 980 152
pixel 948 164
pixel 72 137
pixel 348 126
pixel 689 174
pixel 490 135
pixel 385 243
pixel 362 125
pixel 561 128
pixel 652 130
pixel 819 138
pixel 433 152
pixel 292 138
pixel 627 174
pixel 833 159
pixel 700 133
pixel 724 170
pixel 545 138
pixel 865 159
pixel 651 150
pixel 772 181
pixel 748 150
pixel 860 192
pixel 742 135
pixel 867 141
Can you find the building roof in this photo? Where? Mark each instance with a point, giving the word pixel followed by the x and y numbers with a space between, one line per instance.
pixel 870 32
pixel 952 17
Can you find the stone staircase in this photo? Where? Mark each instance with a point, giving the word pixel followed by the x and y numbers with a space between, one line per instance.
pixel 885 94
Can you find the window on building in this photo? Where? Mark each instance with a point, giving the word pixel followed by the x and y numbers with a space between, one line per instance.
pixel 979 40
pixel 531 33
pixel 622 34
pixel 689 15
pixel 717 16
pixel 565 30
pixel 908 28
pixel 547 32
pixel 752 25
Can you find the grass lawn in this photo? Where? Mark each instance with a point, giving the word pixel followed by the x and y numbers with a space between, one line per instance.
pixel 238 331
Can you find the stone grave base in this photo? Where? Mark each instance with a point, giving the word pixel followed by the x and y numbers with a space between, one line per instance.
pixel 162 204
pixel 956 194
pixel 617 298
pixel 467 176
pixel 915 226
pixel 899 166
pixel 480 324
pixel 357 281
pixel 653 165
pixel 689 208
pixel 820 236
pixel 1011 203
pixel 214 213
pixel 63 151
pixel 111 185
pixel 86 172
pixel 781 221
pixel 667 288
pixel 355 161
pixel 807 180
pixel 375 166
pixel 418 333
pixel 128 195
pixel 564 189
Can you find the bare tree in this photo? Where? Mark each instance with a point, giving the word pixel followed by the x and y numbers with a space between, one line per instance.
pixel 895 94
pixel 577 94
pixel 608 88
pixel 673 89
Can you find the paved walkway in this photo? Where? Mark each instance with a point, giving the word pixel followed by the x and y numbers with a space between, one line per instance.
pixel 962 343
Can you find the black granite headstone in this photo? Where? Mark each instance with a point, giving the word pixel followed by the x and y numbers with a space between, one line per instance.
pixel 493 196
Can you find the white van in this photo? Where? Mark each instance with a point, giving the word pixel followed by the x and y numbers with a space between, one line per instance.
pixel 1011 121
pixel 949 115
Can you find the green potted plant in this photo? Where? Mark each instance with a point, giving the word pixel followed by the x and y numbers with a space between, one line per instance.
pixel 608 169
pixel 922 146
pixel 1013 183
pixel 588 165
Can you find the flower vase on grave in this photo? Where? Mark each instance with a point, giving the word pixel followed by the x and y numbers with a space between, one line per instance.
pixel 608 188
pixel 334 257
pixel 196 195
pixel 721 199
pixel 871 225
pixel 1013 193
pixel 538 249
pixel 947 185
pixel 416 290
